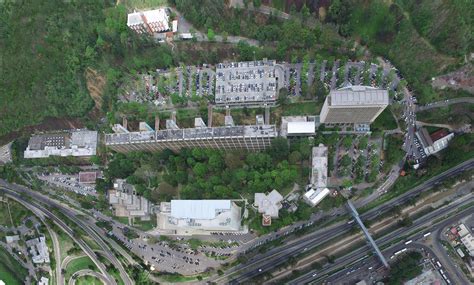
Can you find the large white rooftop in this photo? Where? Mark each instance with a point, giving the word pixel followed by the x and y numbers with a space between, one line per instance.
pixel 358 95
pixel 313 197
pixel 198 209
pixel 301 127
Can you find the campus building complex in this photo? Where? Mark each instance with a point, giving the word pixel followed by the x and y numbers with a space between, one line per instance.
pixel 354 105
pixel 69 143
pixel 248 83
pixel 187 217
pixel 252 138
pixel 126 203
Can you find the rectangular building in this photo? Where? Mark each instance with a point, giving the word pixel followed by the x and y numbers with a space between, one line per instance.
pixel 313 197
pixel 68 143
pixel 153 21
pixel 353 105
pixel 468 241
pixel 319 163
pixel 187 217
pixel 248 83
pixel 298 126
pixel 250 138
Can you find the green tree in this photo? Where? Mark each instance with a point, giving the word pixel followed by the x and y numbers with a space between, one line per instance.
pixel 211 35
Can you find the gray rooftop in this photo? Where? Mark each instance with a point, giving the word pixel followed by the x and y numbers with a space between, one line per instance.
pixel 193 133
pixel 358 95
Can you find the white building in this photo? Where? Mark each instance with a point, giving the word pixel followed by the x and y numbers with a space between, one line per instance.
pixel 313 197
pixel 354 104
pixel 319 176
pixel 43 281
pixel 270 204
pixel 435 142
pixel 153 21
pixel 70 143
pixel 468 241
pixel 187 217
pixel 126 203
pixel 38 249
pixel 11 239
pixel 319 173
pixel 298 126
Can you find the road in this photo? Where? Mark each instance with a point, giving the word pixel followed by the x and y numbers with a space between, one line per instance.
pixel 419 227
pixel 15 190
pixel 313 239
pixel 41 212
pixel 57 255
pixel 85 272
pixel 439 104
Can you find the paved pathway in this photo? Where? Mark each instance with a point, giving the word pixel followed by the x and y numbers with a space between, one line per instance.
pixel 439 104
pixel 86 272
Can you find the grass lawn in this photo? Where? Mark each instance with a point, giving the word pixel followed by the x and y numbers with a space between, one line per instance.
pixel 65 244
pixel 77 264
pixel 385 121
pixel 18 212
pixel 11 272
pixel 301 109
pixel 143 4
pixel 145 225
pixel 88 280
pixel 123 220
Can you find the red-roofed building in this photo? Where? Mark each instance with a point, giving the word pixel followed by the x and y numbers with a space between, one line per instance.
pixel 435 142
pixel 439 134
pixel 87 177
pixel 266 220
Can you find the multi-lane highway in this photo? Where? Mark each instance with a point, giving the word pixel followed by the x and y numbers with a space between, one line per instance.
pixel 280 254
pixel 20 193
pixel 420 228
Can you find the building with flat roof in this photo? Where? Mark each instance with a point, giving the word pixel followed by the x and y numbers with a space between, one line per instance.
pixel 152 21
pixel 68 143
pixel 11 239
pixel 38 249
pixel 314 196
pixel 252 138
pixel 43 281
pixel 297 126
pixel 87 177
pixel 354 104
pixel 187 217
pixel 248 83
pixel 319 176
pixel 126 203
pixel 435 142
pixel 270 204
pixel 319 167
pixel 468 241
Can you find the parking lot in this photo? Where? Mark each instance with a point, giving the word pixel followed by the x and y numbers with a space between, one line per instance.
pixel 70 183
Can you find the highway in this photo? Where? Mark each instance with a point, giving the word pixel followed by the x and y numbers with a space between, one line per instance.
pixel 280 254
pixel 347 262
pixel 14 190
pixel 40 211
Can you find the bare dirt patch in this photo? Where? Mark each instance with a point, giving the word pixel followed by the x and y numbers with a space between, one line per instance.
pixel 95 86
